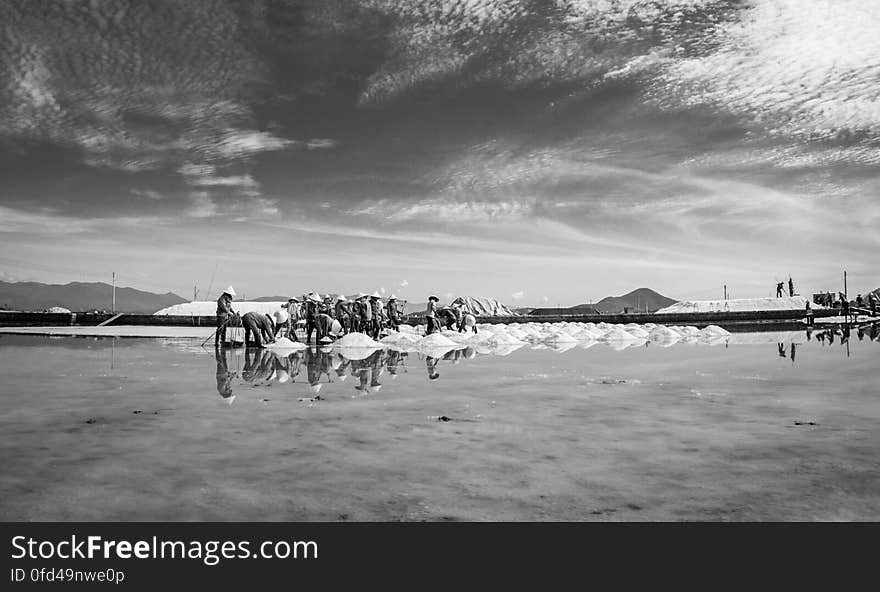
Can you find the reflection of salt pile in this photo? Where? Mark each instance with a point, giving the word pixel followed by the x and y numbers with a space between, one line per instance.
pixel 357 340
pixel 636 331
pixel 714 330
pixel 504 350
pixel 355 353
pixel 559 338
pixel 713 335
pixel 285 343
pixel 663 336
pixel 617 334
pixel 436 345
pixel 506 339
pixel 562 346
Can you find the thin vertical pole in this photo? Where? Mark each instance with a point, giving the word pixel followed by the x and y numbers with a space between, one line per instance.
pixel 114 291
pixel 844 283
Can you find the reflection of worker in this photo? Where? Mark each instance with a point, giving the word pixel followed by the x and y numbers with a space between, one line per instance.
pixel 393 361
pixel 793 346
pixel 258 365
pixel 431 366
pixel 224 376
pixel 781 348
pixel 260 326
pixel 224 314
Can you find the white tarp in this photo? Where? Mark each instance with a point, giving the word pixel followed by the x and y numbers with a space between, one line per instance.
pixel 484 306
pixel 741 304
pixel 209 308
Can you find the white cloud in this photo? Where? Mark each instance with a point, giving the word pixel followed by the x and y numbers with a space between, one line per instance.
pixel 806 69
pixel 518 295
pixel 243 181
pixel 202 205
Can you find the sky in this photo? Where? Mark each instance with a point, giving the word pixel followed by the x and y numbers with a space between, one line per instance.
pixel 539 152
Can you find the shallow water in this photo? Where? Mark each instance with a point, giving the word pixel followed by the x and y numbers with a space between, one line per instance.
pixel 153 429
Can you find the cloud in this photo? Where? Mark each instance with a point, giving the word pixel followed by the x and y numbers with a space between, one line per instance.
pixel 518 295
pixel 804 71
pixel 202 205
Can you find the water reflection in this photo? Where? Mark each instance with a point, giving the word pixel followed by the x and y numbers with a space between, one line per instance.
pixel 369 369
pixel 266 368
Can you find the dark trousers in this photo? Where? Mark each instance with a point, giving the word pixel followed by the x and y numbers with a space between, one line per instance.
pixel 432 326
pixel 311 326
pixel 252 329
pixel 222 323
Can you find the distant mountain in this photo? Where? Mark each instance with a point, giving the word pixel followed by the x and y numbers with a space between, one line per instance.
pixel 79 296
pixel 637 300
pixel 269 299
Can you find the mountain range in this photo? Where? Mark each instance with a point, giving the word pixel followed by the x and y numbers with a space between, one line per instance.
pixel 81 296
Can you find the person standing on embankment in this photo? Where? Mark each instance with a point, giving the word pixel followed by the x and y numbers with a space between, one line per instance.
pixel 224 315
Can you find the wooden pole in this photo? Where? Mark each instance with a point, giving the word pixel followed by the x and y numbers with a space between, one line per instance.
pixel 844 283
pixel 114 291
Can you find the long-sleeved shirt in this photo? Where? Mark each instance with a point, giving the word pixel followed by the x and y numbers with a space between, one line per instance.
pixel 391 308
pixel 430 312
pixel 340 309
pixel 366 311
pixel 224 305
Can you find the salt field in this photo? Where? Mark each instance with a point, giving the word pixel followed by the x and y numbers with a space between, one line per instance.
pixel 568 421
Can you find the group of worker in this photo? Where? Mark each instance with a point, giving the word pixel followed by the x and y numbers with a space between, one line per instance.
pixel 324 317
pixel 330 317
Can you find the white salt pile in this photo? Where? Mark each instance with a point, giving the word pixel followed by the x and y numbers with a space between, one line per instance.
pixel 357 340
pixel 285 343
pixel 391 338
pixel 663 336
pixel 437 340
